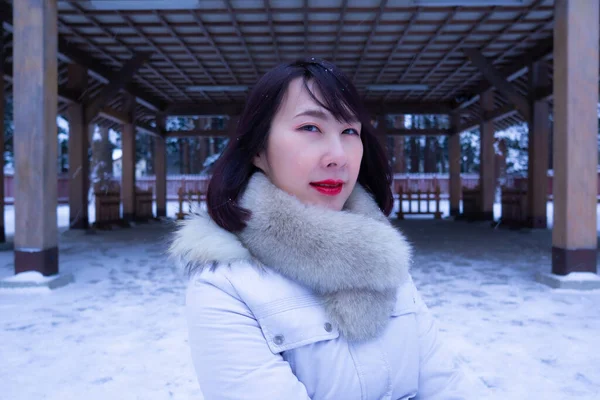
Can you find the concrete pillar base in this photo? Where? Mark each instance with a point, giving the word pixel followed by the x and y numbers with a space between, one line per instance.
pixel 35 280
pixel 573 281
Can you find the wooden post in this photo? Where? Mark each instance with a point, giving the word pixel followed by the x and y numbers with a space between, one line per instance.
pixel 399 157
pixel 539 127
pixel 185 150
pixel 454 159
pixel 400 213
pixel 486 168
pixel 102 166
pixel 438 213
pixel 35 35
pixel 79 170
pixel 380 133
pixel 2 101
pixel 429 155
pixel 160 168
pixel 574 236
pixel 415 150
pixel 128 160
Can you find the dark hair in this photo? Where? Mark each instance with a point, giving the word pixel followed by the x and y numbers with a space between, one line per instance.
pixel 235 166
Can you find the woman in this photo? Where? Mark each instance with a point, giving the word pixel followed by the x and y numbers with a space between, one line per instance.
pixel 299 285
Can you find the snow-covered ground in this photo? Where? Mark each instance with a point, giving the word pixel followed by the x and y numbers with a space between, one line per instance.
pixel 119 332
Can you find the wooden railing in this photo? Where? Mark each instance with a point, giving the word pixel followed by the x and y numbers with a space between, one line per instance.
pixel 420 181
pixel 108 208
pixel 514 208
pixel 143 205
pixel 191 198
pixel 471 200
pixel 428 196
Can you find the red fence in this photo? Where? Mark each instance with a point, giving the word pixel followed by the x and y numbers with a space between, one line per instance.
pixel 413 182
pixel 9 189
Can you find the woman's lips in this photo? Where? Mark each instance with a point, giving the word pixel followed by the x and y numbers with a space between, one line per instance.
pixel 328 187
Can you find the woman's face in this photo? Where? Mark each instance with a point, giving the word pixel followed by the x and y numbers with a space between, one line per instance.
pixel 310 154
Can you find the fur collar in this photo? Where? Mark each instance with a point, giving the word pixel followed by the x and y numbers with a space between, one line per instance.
pixel 353 259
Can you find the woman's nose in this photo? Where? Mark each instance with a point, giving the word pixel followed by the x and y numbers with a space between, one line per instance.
pixel 336 153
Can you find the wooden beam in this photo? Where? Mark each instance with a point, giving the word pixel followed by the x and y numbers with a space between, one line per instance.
pixel 70 53
pixel 492 75
pixel 109 91
pixel 495 115
pixel 517 68
pixel 144 127
pixel 385 132
pixel 114 115
pixel 543 93
pixel 417 132
pixel 410 108
pixel 95 67
pixel 198 133
pixel 206 109
pixel 65 94
pixel 232 109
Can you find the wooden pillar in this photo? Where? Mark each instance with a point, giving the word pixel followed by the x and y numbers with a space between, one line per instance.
pixel 415 150
pixel 78 151
pixel 487 182
pixel 2 101
pixel 428 155
pixel 575 184
pixel 539 128
pixel 454 161
pixel 185 149
pixel 35 36
pixel 399 156
pixel 101 157
pixel 160 169
pixel 128 160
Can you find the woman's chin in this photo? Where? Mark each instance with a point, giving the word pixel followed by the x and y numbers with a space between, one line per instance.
pixel 333 204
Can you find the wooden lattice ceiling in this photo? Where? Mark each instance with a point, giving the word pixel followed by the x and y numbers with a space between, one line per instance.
pixel 229 42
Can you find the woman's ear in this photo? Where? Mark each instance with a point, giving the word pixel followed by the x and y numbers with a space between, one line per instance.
pixel 260 161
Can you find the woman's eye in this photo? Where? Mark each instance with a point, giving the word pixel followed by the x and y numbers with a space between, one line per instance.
pixel 310 128
pixel 351 131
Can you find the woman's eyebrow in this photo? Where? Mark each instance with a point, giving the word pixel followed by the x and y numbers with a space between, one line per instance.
pixel 313 113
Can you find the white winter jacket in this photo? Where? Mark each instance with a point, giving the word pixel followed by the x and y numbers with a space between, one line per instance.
pixel 258 335
pixel 309 303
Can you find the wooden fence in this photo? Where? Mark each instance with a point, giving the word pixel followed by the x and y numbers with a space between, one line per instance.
pixel 408 182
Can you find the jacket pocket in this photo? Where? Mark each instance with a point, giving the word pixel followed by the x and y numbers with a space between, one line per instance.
pixel 294 322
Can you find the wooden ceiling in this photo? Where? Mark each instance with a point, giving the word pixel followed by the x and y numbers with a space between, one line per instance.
pixel 233 42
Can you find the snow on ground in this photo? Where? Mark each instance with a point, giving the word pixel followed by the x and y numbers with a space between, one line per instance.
pixel 522 339
pixel 119 330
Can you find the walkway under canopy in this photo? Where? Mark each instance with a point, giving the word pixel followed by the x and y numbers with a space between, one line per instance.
pixel 130 64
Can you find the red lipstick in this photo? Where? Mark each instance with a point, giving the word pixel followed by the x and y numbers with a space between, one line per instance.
pixel 329 187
